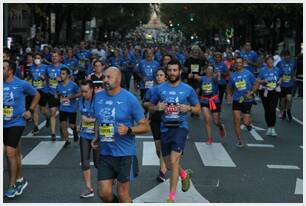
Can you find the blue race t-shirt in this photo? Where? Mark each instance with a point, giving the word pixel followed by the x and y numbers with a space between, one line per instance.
pixel 250 56
pixel 67 105
pixel 270 75
pixel 110 111
pixel 241 82
pixel 72 64
pixel 52 73
pixel 287 71
pixel 14 93
pixel 173 97
pixel 82 56
pixel 221 67
pixel 209 88
pixel 147 69
pixel 35 73
pixel 87 130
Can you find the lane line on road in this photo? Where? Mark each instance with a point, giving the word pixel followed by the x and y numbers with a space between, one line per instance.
pixel 287 167
pixel 149 156
pixel 294 118
pixel 43 153
pixel 256 135
pixel 261 145
pixel 155 195
pixel 41 125
pixel 214 155
pixel 298 187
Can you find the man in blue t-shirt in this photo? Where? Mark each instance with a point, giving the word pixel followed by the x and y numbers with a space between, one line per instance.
pixel 53 79
pixel 71 62
pixel 174 99
pixel 67 91
pixel 38 76
pixel 146 71
pixel 242 85
pixel 221 71
pixel 250 57
pixel 82 56
pixel 116 112
pixel 14 122
pixel 287 69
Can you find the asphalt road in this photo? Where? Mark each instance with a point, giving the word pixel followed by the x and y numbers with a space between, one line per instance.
pixel 240 175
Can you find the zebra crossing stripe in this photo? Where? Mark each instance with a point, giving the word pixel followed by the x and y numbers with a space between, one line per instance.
pixel 43 153
pixel 214 155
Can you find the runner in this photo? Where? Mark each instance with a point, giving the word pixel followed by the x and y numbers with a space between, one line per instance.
pixel 194 67
pixel 155 120
pixel 38 79
pixel 53 78
pixel 97 77
pixel 87 134
pixel 175 99
pixel 241 86
pixel 222 72
pixel 67 91
pixel 116 110
pixel 146 70
pixel 82 56
pixel 14 116
pixel 210 102
pixel 269 88
pixel 72 63
pixel 287 72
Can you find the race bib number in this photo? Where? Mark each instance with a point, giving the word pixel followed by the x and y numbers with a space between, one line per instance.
pixel 172 111
pixel 195 68
pixel 207 88
pixel 88 127
pixel 271 85
pixel 65 101
pixel 149 84
pixel 53 83
pixel 82 62
pixel 38 84
pixel 286 78
pixel 107 132
pixel 240 85
pixel 8 112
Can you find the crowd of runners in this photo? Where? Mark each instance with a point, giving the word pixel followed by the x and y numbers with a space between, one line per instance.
pixel 123 89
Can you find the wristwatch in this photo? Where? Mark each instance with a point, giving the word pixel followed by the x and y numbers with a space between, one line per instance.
pixel 129 131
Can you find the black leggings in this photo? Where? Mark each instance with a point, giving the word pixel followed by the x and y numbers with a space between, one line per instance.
pixel 85 148
pixel 269 103
pixel 222 88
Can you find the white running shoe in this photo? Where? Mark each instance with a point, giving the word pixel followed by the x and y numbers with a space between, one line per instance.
pixel 273 132
pixel 268 133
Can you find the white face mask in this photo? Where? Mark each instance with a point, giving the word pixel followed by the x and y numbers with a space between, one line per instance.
pixel 37 61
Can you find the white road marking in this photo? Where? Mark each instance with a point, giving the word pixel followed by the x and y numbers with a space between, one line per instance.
pixel 260 145
pixel 159 194
pixel 298 187
pixel 149 156
pixel 242 127
pixel 43 153
pixel 256 135
pixel 214 155
pixel 287 167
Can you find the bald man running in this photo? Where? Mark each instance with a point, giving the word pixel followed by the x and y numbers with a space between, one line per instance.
pixel 116 110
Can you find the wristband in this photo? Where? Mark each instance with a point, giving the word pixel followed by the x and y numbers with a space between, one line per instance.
pixel 129 131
